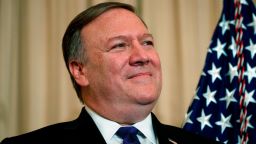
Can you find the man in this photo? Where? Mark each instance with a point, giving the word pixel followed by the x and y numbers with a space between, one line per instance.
pixel 116 73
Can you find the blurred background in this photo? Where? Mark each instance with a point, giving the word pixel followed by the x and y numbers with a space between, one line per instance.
pixel 35 89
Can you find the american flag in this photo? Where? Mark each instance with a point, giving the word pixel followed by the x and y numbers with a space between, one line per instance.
pixel 224 105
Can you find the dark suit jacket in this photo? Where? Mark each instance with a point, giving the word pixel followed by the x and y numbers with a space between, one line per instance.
pixel 83 130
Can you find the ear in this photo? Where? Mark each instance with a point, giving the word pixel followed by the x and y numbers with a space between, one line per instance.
pixel 79 73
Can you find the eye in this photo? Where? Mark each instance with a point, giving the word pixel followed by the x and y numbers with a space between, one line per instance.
pixel 148 43
pixel 119 45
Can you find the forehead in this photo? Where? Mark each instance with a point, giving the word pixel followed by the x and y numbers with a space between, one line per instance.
pixel 115 20
pixel 115 13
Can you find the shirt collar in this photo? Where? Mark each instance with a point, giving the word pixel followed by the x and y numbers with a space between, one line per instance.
pixel 146 127
pixel 108 128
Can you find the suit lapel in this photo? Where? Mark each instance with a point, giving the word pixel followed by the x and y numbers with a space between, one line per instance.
pixel 87 130
pixel 164 136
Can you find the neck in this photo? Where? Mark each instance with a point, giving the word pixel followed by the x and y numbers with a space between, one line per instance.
pixel 124 115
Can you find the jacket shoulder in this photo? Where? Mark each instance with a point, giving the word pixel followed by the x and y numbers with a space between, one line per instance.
pixel 43 135
pixel 76 131
pixel 179 135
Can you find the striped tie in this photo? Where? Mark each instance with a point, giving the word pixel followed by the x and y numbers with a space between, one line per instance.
pixel 128 134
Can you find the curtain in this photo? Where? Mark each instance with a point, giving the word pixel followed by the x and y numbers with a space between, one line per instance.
pixel 35 88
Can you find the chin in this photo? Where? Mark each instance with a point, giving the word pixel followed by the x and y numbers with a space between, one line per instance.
pixel 147 99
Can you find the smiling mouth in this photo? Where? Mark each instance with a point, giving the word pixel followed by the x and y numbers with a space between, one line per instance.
pixel 140 75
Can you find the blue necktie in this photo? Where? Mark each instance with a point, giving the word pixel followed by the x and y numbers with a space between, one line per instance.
pixel 128 134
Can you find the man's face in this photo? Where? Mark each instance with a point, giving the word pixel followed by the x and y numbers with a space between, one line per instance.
pixel 123 67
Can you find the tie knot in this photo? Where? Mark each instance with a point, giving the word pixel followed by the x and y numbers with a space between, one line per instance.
pixel 128 134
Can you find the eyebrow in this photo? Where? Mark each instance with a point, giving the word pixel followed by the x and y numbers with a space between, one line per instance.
pixel 124 36
pixel 147 35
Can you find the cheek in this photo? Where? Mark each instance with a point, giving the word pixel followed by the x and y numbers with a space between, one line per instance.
pixel 95 65
pixel 156 60
pixel 115 63
pixel 157 66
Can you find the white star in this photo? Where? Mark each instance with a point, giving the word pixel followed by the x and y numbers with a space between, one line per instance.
pixel 225 142
pixel 248 124
pixel 244 2
pixel 233 22
pixel 249 98
pixel 238 140
pixel 229 97
pixel 209 96
pixel 233 47
pixel 251 48
pixel 224 122
pixel 187 117
pixel 204 120
pixel 195 95
pixel 209 50
pixel 214 72
pixel 250 73
pixel 203 74
pixel 220 49
pixel 224 24
pixel 253 23
pixel 232 72
pixel 217 139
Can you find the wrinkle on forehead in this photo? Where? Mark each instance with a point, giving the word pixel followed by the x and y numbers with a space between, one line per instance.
pixel 113 23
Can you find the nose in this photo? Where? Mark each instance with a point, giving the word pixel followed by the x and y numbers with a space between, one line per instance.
pixel 139 55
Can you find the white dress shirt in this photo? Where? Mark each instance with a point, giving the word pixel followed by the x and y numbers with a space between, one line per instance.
pixel 108 129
